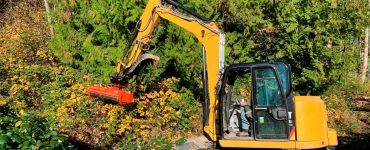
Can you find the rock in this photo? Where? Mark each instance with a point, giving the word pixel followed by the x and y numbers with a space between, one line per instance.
pixel 198 142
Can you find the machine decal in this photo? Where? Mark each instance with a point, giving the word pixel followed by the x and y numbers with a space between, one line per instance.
pixel 261 120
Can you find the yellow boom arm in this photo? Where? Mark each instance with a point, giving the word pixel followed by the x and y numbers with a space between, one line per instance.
pixel 208 34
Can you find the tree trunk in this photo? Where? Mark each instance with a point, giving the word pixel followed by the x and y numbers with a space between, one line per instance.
pixel 47 8
pixel 365 56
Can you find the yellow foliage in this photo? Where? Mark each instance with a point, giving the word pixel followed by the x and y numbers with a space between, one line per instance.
pixel 70 81
pixel 125 125
pixel 60 112
pixel 22 86
pixel 156 113
pixel 144 133
pixel 169 92
pixel 14 78
pixel 18 123
pixel 21 112
pixel 86 77
pixel 106 125
pixel 141 110
pixel 178 113
pixel 54 69
pixel 106 108
pixel 69 105
pixel 77 86
pixel 151 95
pixel 41 54
pixel 20 104
pixel 73 96
pixel 14 89
pixel 112 112
pixel 168 108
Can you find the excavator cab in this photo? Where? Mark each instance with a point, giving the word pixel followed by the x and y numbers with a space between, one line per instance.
pixel 256 102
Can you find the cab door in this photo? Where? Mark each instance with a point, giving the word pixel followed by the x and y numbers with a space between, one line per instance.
pixel 270 113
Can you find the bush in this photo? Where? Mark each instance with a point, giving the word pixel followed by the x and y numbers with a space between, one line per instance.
pixel 26 131
pixel 340 105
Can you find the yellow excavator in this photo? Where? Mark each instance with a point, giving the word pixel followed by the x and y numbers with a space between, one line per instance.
pixel 247 105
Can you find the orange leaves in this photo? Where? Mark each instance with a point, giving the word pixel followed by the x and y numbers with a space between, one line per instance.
pixel 14 36
pixel 168 108
pixel 152 95
pixel 169 92
pixel 2 102
pixel 14 89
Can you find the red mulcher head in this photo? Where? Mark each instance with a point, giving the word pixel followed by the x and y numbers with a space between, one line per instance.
pixel 112 92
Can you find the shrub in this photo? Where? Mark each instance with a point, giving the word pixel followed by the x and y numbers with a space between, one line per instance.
pixel 22 130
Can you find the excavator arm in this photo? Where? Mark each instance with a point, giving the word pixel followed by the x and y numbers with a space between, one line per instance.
pixel 132 62
pixel 207 33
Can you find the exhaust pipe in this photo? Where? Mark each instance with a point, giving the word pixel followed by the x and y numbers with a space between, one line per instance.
pixel 111 93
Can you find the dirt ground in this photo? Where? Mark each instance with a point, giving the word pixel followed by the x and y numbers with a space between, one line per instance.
pixel 354 142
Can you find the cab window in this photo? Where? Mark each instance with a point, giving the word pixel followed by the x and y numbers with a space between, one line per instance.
pixel 284 75
pixel 268 91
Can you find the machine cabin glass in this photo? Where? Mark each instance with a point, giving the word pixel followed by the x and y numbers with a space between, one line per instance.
pixel 253 102
pixel 270 109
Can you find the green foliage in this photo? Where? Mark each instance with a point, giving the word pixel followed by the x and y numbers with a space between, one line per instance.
pixel 91 35
pixel 158 142
pixel 94 34
pixel 26 131
pixel 297 32
pixel 48 79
